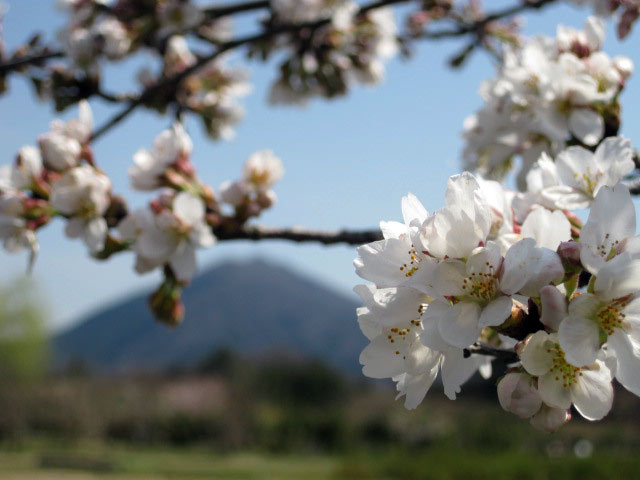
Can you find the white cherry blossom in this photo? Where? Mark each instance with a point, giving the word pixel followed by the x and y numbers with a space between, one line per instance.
pixel 169 236
pixel 561 384
pixel 82 194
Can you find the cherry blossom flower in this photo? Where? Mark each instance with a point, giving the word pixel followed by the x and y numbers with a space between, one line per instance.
pixel 61 147
pixel 561 384
pixel 82 194
pixel 169 235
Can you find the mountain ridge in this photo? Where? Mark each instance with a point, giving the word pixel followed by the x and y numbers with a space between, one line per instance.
pixel 249 307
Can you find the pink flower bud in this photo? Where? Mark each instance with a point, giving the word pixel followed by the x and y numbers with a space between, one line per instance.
pixel 570 253
pixel 550 419
pixel 517 394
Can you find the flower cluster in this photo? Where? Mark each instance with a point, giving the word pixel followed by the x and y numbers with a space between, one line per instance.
pixel 58 178
pixel 341 47
pixel 496 269
pixel 549 93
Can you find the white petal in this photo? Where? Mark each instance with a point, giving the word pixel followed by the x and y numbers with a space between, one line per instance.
pixel 592 394
pixel 534 356
pixel 547 228
pixel 456 370
pixel 552 391
pixel 554 307
pixel 580 339
pixel 496 312
pixel 460 327
pixel 627 353
pixel 183 262
pixel 413 211
pixel 586 125
pixel 619 276
pixel 95 233
pixel 188 208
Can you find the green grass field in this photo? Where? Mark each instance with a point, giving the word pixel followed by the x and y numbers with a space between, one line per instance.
pixel 89 461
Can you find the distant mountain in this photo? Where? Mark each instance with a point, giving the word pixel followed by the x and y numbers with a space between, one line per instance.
pixel 250 308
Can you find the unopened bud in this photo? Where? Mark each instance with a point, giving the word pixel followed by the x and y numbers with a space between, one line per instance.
pixel 517 394
pixel 166 304
pixel 267 199
pixel 550 419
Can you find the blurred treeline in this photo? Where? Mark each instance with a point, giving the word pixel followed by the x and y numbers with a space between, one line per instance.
pixel 280 404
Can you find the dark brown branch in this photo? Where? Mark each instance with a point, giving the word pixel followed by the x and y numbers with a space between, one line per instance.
pixel 222 11
pixel 478 25
pixel 304 235
pixel 507 356
pixel 25 60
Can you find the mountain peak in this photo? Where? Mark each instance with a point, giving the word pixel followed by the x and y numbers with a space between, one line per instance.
pixel 251 307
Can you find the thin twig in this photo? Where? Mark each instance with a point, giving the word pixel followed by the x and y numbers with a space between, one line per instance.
pixel 173 81
pixel 25 60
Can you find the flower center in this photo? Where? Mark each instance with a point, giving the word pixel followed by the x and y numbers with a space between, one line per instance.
pixel 412 267
pixel 481 287
pixel 563 370
pixel 611 316
pixel 608 248
pixel 588 179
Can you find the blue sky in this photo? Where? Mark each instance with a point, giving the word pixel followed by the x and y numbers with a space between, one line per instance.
pixel 348 162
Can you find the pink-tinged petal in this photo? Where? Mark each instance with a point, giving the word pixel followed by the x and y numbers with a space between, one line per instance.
pixel 518 395
pixel 580 339
pixel 183 262
pixel 627 353
pixel 534 356
pixel 553 392
pixel 619 277
pixel 592 393
pixel 460 327
pixel 547 228
pixel 496 312
pixel 554 307
pixel 413 212
pixel 586 125
pixel 456 370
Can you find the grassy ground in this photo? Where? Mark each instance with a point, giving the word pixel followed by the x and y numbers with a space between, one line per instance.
pixel 98 461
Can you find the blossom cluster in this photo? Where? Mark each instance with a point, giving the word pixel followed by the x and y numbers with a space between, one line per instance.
pixel 331 56
pixel 549 93
pixel 57 178
pixel 211 92
pixel 498 270
pixel 60 178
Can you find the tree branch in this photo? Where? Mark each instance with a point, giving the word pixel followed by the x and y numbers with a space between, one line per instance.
pixel 303 235
pixel 507 356
pixel 173 81
pixel 225 10
pixel 25 60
